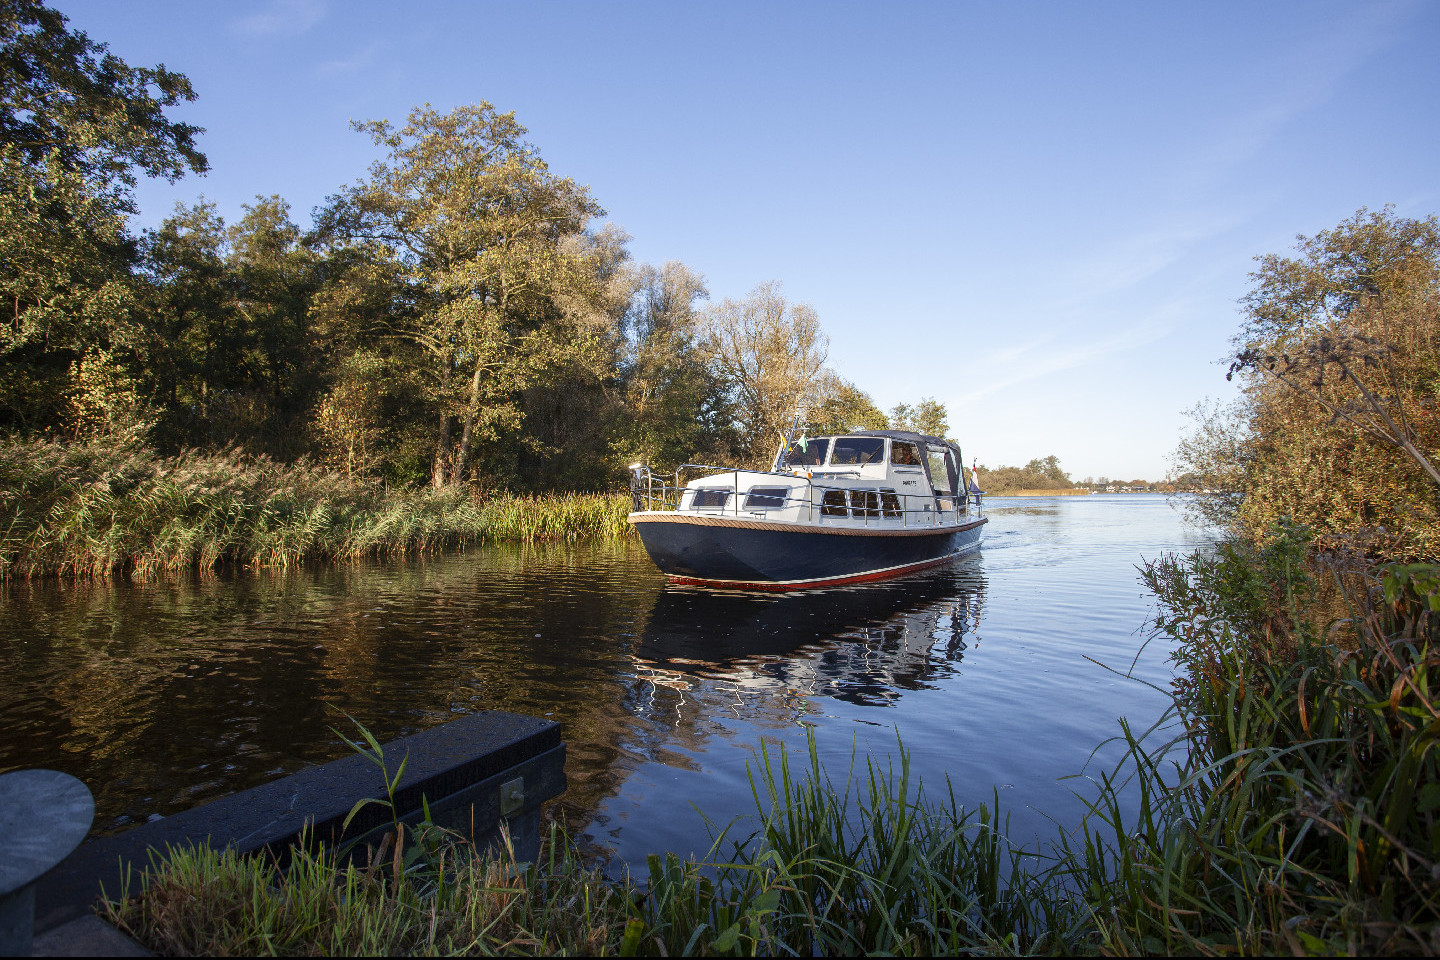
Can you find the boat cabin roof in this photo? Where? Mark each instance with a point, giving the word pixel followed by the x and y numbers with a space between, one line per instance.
pixel 900 435
pixel 831 443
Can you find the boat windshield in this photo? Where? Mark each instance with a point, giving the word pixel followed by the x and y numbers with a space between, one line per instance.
pixel 858 450
pixel 808 453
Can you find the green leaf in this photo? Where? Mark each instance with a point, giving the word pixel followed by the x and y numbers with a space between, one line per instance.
pixel 727 940
pixel 630 943
pixel 360 805
pixel 1428 798
pixel 767 902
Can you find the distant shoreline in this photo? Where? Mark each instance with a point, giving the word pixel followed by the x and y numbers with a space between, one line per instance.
pixel 1080 492
pixel 1043 493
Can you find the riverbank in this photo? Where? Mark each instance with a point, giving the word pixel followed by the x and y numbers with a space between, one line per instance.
pixel 97 511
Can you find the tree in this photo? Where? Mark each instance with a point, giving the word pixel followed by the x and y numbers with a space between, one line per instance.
pixel 929 417
pixel 193 350
pixel 1212 456
pixel 840 406
pixel 772 353
pixel 1339 354
pixel 76 125
pixel 1042 473
pixel 472 222
pixel 571 411
pixel 677 408
pixel 1345 310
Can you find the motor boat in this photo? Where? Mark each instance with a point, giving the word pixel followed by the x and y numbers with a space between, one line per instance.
pixel 864 505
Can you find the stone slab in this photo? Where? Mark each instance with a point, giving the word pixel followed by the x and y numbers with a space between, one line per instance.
pixel 452 765
pixel 44 814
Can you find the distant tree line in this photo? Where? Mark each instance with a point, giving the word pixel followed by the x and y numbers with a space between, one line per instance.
pixel 1042 473
pixel 460 314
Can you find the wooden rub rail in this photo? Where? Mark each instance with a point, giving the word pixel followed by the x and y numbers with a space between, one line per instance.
pixel 476 772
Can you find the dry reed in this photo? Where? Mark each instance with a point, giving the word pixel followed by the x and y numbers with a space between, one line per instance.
pixel 96 511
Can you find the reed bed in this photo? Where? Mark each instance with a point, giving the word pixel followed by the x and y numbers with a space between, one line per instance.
pixel 96 511
pixel 1305 817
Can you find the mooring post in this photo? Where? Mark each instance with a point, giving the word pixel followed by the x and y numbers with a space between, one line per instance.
pixel 44 814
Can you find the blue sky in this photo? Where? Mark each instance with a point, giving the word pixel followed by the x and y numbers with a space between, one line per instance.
pixel 1041 214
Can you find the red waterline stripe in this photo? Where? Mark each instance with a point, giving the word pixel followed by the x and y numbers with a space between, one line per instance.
pixel 784 586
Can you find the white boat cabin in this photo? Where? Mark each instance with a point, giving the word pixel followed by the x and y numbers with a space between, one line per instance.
pixel 885 478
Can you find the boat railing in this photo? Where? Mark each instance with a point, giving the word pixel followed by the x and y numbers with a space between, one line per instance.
pixel 650 492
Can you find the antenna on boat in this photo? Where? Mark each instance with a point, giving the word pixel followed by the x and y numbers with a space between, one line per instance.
pixel 798 423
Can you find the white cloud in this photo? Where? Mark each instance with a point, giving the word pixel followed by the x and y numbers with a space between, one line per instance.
pixel 280 18
pixel 1130 260
pixel 1029 362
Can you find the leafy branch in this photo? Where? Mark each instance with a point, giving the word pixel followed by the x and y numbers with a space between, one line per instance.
pixel 1306 374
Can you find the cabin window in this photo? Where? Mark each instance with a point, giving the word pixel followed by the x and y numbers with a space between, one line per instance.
pixel 766 497
pixel 864 503
pixel 941 469
pixel 810 453
pixel 889 503
pixel 833 504
pixel 710 497
pixel 858 451
pixel 904 454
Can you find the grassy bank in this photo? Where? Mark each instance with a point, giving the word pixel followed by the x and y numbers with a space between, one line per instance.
pixel 1289 804
pixel 863 867
pixel 97 511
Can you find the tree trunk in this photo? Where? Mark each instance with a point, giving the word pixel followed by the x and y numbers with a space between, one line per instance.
pixel 462 456
pixel 438 473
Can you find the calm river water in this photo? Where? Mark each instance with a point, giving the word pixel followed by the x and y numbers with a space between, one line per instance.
pixel 163 696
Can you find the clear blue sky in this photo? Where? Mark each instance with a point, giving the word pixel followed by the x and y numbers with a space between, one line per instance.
pixel 1041 214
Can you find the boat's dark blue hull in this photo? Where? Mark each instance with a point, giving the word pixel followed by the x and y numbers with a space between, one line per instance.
pixel 732 552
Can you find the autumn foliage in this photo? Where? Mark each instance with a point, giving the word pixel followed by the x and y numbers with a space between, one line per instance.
pixel 1339 354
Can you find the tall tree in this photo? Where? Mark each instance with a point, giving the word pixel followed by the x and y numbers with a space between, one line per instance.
pixel 840 406
pixel 772 352
pixel 77 124
pixel 274 276
pixel 929 417
pixel 572 409
pixel 473 221
pixel 193 353
pixel 677 408
pixel 1339 354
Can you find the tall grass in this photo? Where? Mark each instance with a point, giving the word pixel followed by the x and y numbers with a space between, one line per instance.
pixel 97 510
pixel 1306 817
pixel 207 903
pixel 868 869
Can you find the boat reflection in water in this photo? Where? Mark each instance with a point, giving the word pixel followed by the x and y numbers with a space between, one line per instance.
pixel 863 644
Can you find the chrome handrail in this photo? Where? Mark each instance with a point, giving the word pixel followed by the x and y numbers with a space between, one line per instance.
pixel 657 495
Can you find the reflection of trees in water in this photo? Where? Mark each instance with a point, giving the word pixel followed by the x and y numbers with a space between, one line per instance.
pixel 162 696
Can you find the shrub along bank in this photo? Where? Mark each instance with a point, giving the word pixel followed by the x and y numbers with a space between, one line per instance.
pixel 97 510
